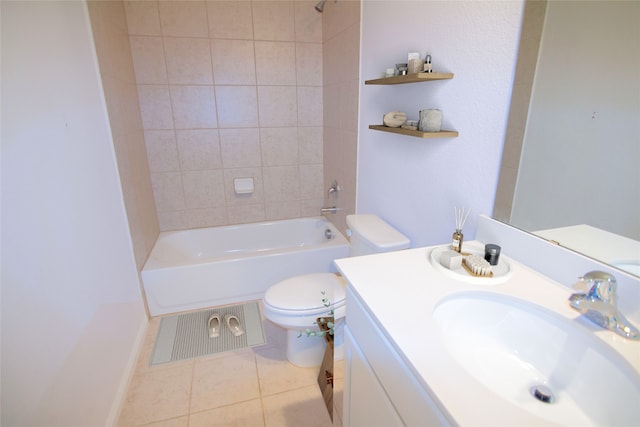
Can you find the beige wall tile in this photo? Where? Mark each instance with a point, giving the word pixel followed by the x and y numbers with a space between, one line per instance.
pixel 168 191
pixel 234 199
pixel 241 83
pixel 183 18
pixel 162 151
pixel 233 62
pixel 199 149
pixel 113 51
pixel 237 106
pixel 331 106
pixel 279 146
pixel 311 207
pixel 350 54
pixel 282 210
pixel 142 17
pixel 188 61
pixel 308 22
pixel 309 64
pixel 155 107
pixel 341 35
pixel 230 19
pixel 281 183
pixel 194 107
pixel 240 148
pixel 148 60
pixel 309 106
pixel 203 189
pixel 275 63
pixel 245 214
pixel 311 184
pixel 175 220
pixel 310 144
pixel 277 106
pixel 348 109
pixel 273 20
pixel 209 217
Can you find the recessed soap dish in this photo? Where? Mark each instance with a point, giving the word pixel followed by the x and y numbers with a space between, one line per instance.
pixel 500 273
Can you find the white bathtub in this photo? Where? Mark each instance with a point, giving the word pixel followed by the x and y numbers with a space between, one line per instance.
pixel 205 267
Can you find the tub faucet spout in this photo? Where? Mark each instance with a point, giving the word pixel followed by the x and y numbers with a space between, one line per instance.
pixel 330 210
pixel 599 304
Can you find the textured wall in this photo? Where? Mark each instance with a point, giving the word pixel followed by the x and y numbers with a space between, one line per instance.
pixel 71 306
pixel 415 183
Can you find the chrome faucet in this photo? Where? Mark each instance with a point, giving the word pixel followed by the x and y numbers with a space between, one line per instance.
pixel 599 304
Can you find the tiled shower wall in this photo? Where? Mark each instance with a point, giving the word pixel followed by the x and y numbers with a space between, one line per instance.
pixel 341 36
pixel 230 89
pixel 109 26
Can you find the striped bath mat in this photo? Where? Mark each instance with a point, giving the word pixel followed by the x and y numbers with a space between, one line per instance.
pixel 185 336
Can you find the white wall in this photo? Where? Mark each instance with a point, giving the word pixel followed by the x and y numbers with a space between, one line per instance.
pixel 585 109
pixel 71 305
pixel 415 183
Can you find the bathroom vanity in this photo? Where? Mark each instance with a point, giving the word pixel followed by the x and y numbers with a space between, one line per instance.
pixel 423 347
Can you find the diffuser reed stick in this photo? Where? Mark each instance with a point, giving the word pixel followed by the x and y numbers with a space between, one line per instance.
pixel 461 216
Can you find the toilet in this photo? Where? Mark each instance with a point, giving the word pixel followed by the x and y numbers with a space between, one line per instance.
pixel 295 303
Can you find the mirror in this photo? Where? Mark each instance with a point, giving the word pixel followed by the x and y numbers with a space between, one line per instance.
pixel 570 163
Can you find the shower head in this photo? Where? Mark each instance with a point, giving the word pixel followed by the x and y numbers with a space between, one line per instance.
pixel 320 5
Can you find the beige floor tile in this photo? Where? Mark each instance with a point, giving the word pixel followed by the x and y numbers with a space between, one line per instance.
pixel 157 395
pixel 174 422
pixel 277 374
pixel 300 407
pixel 224 381
pixel 276 336
pixel 244 414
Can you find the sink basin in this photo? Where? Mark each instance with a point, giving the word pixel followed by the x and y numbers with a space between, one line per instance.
pixel 539 361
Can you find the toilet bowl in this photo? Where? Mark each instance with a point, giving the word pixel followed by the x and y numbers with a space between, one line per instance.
pixel 296 303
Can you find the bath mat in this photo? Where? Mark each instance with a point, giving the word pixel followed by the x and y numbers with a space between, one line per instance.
pixel 185 336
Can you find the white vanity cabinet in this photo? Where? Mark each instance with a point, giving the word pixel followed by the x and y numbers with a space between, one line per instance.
pixel 380 388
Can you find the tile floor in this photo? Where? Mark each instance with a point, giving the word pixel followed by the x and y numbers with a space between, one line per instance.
pixel 250 387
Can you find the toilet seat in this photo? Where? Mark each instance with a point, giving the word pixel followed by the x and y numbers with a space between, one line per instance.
pixel 302 295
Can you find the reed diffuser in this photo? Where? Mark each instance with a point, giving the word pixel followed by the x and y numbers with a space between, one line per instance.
pixel 461 217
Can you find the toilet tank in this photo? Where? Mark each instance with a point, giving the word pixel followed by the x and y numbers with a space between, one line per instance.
pixel 370 235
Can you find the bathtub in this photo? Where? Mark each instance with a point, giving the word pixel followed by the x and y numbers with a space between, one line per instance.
pixel 205 267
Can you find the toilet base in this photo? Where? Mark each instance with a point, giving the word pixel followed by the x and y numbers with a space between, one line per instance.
pixel 307 352
pixel 304 351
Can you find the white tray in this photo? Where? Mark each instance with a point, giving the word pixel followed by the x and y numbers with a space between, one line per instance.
pixel 501 272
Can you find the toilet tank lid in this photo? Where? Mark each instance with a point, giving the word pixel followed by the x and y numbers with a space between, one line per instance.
pixel 377 232
pixel 306 292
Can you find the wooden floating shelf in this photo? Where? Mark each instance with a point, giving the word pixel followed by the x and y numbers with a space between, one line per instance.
pixel 410 78
pixel 416 133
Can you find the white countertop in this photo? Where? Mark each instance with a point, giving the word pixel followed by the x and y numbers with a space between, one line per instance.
pixel 401 291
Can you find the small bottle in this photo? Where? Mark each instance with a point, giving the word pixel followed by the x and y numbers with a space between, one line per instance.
pixel 427 64
pixel 456 240
pixel 492 253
